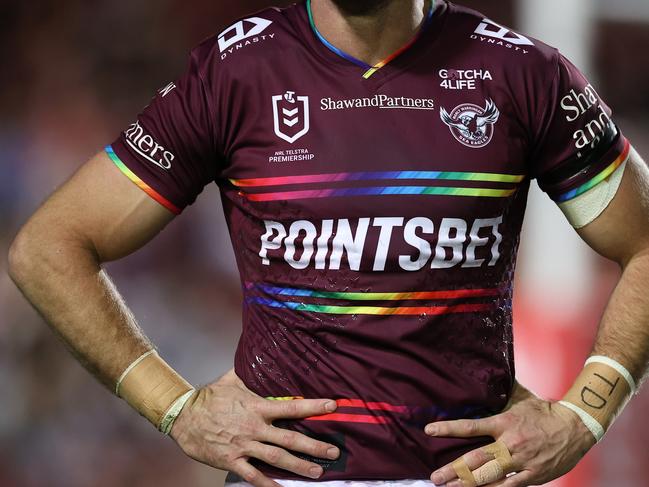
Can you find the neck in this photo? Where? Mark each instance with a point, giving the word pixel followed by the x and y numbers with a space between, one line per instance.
pixel 369 30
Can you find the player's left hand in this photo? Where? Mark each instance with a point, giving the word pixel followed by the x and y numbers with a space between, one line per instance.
pixel 545 440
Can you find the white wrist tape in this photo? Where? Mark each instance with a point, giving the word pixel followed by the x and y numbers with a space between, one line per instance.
pixel 135 363
pixel 591 423
pixel 600 393
pixel 617 366
pixel 154 389
pixel 172 413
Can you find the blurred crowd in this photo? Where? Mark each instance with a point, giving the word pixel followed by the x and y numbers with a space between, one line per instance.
pixel 74 74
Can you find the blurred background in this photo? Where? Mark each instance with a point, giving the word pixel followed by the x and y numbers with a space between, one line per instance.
pixel 75 73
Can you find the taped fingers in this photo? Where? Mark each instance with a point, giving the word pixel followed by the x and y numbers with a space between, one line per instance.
pixel 501 454
pixel 462 467
pixel 480 467
pixel 496 469
pixel 464 473
pixel 488 473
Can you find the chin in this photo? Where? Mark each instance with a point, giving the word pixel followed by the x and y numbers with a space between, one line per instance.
pixel 360 7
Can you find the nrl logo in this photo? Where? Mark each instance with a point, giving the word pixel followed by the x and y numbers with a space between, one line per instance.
pixel 471 125
pixel 290 116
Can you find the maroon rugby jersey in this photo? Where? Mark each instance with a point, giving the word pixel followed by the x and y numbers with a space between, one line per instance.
pixel 375 213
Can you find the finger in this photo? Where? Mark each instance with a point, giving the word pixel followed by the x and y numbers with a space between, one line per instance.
pixel 473 459
pixel 251 475
pixel 297 408
pixel 520 479
pixel 464 428
pixel 280 458
pixel 489 472
pixel 292 440
pixel 496 469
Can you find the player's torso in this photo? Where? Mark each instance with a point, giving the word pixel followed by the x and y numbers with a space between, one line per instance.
pixel 432 135
pixel 375 223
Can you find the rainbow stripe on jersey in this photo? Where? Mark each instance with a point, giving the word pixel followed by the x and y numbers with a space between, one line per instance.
pixel 342 177
pixel 270 296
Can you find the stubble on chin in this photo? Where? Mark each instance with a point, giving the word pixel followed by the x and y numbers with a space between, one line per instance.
pixel 360 7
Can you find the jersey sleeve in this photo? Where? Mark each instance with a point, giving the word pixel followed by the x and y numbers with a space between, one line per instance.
pixel 169 151
pixel 577 143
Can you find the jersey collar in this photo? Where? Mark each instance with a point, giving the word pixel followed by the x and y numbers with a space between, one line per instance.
pixel 370 70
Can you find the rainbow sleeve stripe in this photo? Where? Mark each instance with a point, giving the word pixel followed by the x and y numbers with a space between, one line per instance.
pixel 494 178
pixel 370 70
pixel 271 297
pixel 599 177
pixel 141 184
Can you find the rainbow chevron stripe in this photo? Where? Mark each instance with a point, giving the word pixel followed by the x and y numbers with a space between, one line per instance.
pixel 255 183
pixel 141 184
pixel 374 176
pixel 599 177
pixel 379 191
pixel 271 294
pixel 356 296
pixel 372 310
pixel 370 70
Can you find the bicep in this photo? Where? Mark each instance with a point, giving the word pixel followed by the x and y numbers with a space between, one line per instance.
pixel 622 229
pixel 101 209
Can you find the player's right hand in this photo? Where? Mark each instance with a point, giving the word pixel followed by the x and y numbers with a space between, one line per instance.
pixel 225 424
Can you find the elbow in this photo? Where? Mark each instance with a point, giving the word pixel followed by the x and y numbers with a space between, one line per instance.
pixel 37 255
pixel 21 258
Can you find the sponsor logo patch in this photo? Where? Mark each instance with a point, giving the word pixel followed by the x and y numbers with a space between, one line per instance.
pixel 378 101
pixel 580 105
pixel 167 89
pixel 243 33
pixel 463 79
pixel 471 125
pixel 147 147
pixel 490 32
pixel 290 116
pixel 378 243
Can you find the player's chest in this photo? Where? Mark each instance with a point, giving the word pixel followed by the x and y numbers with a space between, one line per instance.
pixel 451 132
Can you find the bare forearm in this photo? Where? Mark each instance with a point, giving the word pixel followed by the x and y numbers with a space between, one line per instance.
pixel 63 280
pixel 624 331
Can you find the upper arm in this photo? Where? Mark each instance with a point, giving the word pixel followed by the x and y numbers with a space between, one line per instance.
pixel 622 229
pixel 100 209
pixel 126 194
pixel 578 155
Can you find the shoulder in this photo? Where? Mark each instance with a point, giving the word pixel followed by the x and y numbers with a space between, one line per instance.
pixel 249 40
pixel 500 45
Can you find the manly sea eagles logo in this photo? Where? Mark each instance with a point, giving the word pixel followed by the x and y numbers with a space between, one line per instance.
pixel 290 116
pixel 470 124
